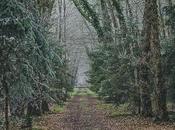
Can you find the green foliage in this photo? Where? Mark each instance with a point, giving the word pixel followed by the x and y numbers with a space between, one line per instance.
pixel 33 64
pixel 83 92
pixel 109 72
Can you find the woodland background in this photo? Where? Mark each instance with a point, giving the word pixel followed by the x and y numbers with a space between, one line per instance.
pixel 121 49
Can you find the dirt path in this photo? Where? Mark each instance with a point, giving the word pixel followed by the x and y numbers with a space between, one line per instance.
pixel 82 113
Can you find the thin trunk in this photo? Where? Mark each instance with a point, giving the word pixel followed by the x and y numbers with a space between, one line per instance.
pixel 6 90
pixel 137 34
pixel 162 20
pixel 117 6
pixel 130 15
pixel 133 32
pixel 60 21
pixel 64 23
pixel 6 103
pixel 106 20
pixel 170 28
pixel 113 18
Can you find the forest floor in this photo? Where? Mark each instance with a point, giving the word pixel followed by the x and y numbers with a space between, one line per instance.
pixel 85 112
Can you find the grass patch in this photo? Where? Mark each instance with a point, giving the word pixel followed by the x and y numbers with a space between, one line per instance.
pixel 75 92
pixel 121 110
pixel 57 108
pixel 83 92
pixel 91 93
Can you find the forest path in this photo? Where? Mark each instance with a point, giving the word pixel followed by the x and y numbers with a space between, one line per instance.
pixel 82 112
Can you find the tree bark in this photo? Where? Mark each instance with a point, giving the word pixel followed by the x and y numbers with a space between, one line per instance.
pixel 64 21
pixel 163 30
pixel 144 63
pixel 107 23
pixel 151 61
pixel 122 22
pixel 146 107
pixel 6 103
pixel 45 106
pixel 60 21
pixel 33 110
pixel 160 89
pixel 113 19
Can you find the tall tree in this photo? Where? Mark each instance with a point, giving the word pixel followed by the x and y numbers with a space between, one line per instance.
pixel 151 62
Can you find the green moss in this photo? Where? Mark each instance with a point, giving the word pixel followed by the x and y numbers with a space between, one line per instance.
pixel 57 108
pixel 75 92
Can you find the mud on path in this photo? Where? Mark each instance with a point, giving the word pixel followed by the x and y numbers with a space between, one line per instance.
pixel 82 113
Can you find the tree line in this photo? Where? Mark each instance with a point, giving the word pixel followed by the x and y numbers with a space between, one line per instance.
pixel 34 69
pixel 132 62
